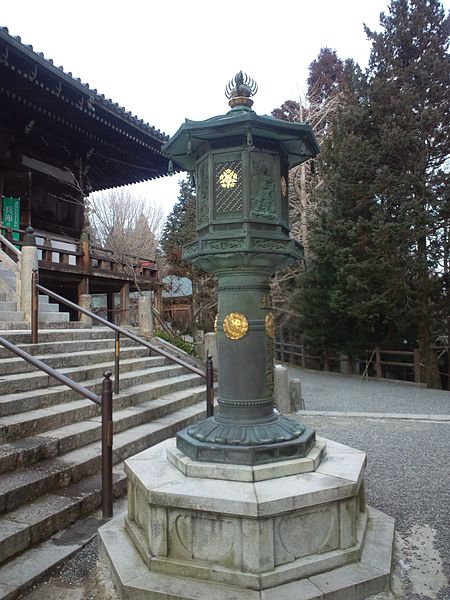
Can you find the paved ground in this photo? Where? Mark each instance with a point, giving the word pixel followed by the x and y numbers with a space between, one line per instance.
pixel 405 431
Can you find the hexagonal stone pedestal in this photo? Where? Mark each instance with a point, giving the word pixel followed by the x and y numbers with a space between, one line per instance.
pixel 294 530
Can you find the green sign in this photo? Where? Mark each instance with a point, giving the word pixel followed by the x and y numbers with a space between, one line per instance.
pixel 11 215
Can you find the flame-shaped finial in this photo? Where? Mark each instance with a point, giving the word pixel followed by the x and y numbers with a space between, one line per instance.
pixel 239 90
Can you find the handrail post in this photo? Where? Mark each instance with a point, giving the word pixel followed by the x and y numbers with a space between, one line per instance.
pixel 34 307
pixel 107 443
pixel 209 386
pixel 116 362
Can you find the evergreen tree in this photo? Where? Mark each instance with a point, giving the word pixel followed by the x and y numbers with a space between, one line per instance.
pixel 409 104
pixel 342 295
pixel 380 246
pixel 179 229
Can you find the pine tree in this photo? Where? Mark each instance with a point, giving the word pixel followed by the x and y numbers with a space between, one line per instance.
pixel 179 229
pixel 409 104
pixel 342 296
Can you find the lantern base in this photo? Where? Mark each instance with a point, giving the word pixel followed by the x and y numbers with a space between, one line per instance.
pixel 248 444
pixel 280 534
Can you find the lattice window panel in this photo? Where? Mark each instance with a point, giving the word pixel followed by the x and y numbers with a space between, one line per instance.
pixel 229 200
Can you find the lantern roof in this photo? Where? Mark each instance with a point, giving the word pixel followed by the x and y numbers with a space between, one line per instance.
pixel 241 125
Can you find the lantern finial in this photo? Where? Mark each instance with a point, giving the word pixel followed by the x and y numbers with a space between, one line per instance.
pixel 240 89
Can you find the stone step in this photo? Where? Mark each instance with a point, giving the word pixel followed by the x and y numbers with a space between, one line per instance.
pixel 11 316
pixel 3 267
pixel 24 382
pixel 50 452
pixel 68 346
pixel 157 380
pixel 10 366
pixel 18 402
pixel 6 327
pixel 50 335
pixel 8 306
pixel 48 307
pixel 9 283
pixel 48 476
pixel 19 574
pixel 31 450
pixel 28 525
pixel 53 317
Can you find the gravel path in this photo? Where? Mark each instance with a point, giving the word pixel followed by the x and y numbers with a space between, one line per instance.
pixel 408 477
pixel 333 392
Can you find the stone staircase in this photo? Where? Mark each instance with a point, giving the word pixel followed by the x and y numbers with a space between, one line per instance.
pixel 50 450
pixel 11 317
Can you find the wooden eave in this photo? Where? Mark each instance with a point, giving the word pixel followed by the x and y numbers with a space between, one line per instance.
pixel 118 147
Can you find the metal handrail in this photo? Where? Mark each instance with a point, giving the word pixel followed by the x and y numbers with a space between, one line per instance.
pixel 36 287
pixel 104 401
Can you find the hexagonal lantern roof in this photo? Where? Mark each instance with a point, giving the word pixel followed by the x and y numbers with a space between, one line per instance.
pixel 297 139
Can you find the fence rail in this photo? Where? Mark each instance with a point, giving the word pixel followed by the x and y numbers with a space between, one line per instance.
pixel 375 362
pixel 78 255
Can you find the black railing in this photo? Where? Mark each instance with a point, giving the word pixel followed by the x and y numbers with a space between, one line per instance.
pixel 104 401
pixel 36 288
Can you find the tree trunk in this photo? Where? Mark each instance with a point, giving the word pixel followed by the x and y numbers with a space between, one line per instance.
pixel 428 357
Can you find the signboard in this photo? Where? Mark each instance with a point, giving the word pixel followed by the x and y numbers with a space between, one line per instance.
pixel 11 214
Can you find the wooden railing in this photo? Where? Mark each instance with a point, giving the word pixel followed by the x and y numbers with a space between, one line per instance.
pixel 375 362
pixel 80 256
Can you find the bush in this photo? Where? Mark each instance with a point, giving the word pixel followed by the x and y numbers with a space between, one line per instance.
pixel 178 342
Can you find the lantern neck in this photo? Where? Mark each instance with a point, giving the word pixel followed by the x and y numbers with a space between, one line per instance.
pixel 240 109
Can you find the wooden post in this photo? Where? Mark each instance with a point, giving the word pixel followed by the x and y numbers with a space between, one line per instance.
pixel 350 364
pixel 157 300
pixel 290 347
pixel 326 362
pixel 124 304
pixel 417 377
pixel 47 254
pixel 84 247
pixel 83 287
pixel 29 197
pixel 378 369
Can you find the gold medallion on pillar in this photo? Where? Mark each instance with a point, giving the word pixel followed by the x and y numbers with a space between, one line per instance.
pixel 270 325
pixel 235 326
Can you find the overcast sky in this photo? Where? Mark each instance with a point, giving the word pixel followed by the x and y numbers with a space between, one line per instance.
pixel 166 60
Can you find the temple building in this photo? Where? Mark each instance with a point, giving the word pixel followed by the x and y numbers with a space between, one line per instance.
pixel 60 140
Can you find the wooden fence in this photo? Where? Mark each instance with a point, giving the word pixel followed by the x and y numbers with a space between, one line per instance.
pixel 58 253
pixel 380 363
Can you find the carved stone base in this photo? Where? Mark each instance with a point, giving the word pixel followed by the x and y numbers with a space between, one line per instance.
pixel 268 536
